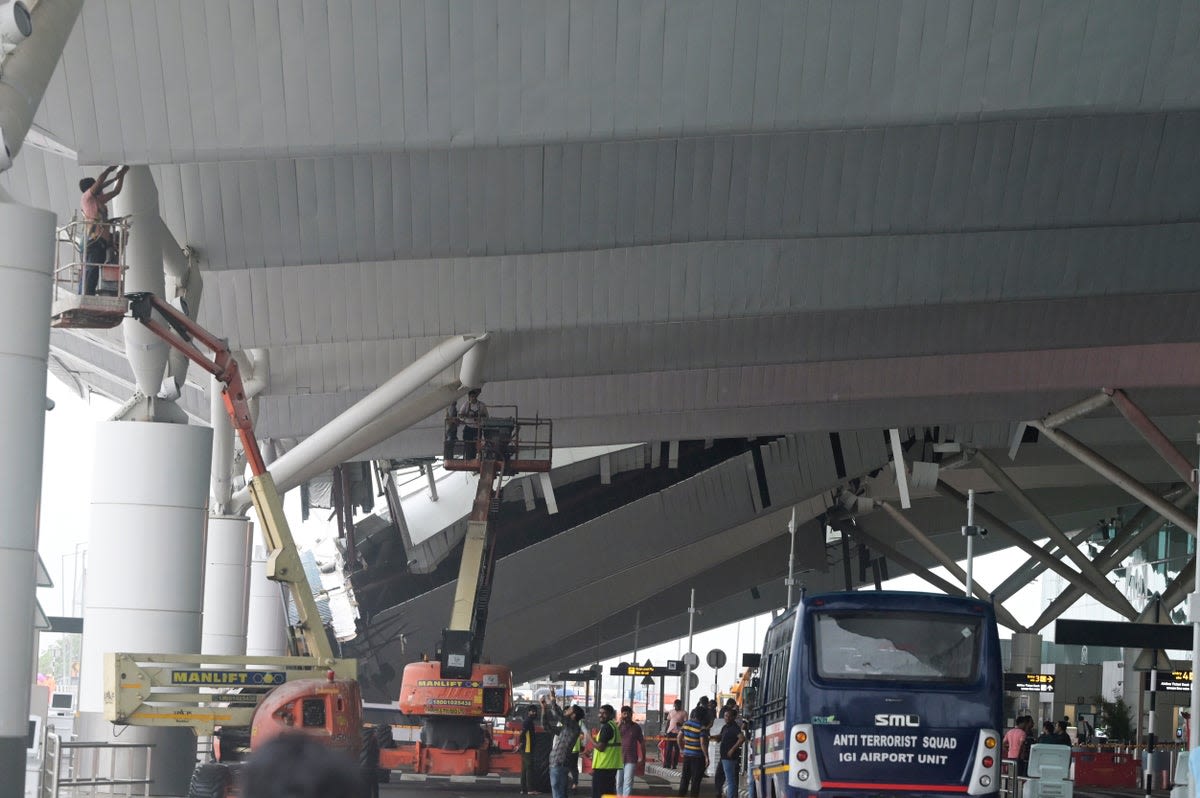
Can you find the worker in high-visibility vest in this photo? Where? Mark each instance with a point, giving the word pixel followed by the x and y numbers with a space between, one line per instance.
pixel 606 754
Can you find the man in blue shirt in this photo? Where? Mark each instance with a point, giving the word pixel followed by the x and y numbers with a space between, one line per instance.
pixel 693 742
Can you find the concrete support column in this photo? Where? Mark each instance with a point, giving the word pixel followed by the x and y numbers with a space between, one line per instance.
pixel 1026 653
pixel 226 585
pixel 266 624
pixel 145 550
pixel 26 263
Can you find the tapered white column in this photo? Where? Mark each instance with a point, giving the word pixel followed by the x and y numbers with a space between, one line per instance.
pixel 26 263
pixel 144 255
pixel 145 565
pixel 266 626
pixel 226 585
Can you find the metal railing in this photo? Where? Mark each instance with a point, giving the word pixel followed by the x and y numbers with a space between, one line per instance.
pixel 76 264
pixel 83 768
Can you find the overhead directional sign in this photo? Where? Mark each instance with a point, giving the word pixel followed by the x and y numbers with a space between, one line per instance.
pixel 1029 682
pixel 1123 634
pixel 1170 681
pixel 672 668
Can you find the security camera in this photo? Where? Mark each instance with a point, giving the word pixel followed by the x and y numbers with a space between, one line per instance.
pixel 16 24
pixel 974 530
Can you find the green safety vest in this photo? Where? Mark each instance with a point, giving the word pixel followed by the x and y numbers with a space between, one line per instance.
pixel 610 757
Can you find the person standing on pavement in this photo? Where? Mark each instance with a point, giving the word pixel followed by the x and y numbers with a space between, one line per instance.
pixel 675 719
pixel 564 743
pixel 730 748
pixel 693 742
pixel 606 754
pixel 528 730
pixel 633 750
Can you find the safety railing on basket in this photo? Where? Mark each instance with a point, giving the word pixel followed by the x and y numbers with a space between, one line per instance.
pixel 90 257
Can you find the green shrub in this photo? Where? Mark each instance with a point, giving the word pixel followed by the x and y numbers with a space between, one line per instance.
pixel 1116 718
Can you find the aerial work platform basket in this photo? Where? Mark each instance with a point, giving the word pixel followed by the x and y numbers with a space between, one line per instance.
pixel 520 444
pixel 89 274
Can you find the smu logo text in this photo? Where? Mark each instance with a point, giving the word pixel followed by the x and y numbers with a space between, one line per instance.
pixel 897 720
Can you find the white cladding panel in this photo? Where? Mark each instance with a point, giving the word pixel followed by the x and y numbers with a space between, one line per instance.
pixel 226 585
pixel 149 490
pixel 151 464
pixel 266 623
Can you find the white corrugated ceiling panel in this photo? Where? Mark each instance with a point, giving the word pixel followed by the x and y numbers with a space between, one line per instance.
pixel 278 78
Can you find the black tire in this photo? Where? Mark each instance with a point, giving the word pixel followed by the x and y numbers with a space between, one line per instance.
pixel 368 763
pixel 383 736
pixel 210 780
pixel 384 739
pixel 542 742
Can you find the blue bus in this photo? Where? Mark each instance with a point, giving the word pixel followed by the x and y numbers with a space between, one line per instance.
pixel 879 692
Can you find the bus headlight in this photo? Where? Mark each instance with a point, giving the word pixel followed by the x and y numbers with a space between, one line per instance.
pixel 986 781
pixel 802 775
pixel 990 742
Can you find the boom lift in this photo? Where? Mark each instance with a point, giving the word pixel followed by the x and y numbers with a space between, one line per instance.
pixel 454 693
pixel 243 701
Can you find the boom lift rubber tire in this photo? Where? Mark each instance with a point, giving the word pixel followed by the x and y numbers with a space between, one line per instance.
pixel 383 739
pixel 368 763
pixel 542 743
pixel 383 736
pixel 210 780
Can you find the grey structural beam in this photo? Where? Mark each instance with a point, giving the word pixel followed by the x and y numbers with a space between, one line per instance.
pixel 1131 535
pixel 1089 571
pixel 1154 436
pixel 1117 476
pixel 1051 561
pixel 1029 570
pixel 947 562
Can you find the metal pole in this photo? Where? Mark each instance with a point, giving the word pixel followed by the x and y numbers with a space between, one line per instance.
pixel 1194 710
pixel 970 539
pixel 686 687
pixel 791 579
pixel 1150 731
pixel 637 626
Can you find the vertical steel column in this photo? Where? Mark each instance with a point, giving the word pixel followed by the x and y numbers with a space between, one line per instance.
pixel 26 266
pixel 26 263
pixel 1193 741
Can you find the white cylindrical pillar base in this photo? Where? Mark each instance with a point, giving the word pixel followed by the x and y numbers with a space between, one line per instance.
pixel 226 585
pixel 144 582
pixel 266 625
pixel 26 264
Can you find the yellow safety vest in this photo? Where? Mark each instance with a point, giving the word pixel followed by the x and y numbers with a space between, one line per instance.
pixel 610 758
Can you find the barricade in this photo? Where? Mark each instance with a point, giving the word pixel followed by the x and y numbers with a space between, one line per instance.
pixel 1105 769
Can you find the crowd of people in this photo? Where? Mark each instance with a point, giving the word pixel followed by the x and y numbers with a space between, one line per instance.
pixel 1020 738
pixel 688 737
pixel 618 745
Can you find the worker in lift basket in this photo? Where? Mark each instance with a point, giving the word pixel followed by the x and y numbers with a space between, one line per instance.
pixel 93 202
pixel 471 413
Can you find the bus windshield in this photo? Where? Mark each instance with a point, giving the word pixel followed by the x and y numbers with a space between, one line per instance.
pixel 896 646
